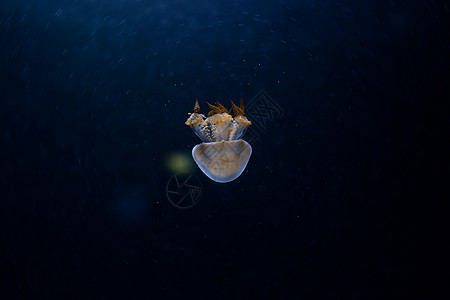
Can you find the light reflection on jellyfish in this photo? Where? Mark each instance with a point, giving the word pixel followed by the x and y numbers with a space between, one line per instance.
pixel 222 156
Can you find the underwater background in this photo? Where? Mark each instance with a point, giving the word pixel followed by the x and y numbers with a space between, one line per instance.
pixel 94 96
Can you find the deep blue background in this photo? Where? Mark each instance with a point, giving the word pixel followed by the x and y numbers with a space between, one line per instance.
pixel 94 95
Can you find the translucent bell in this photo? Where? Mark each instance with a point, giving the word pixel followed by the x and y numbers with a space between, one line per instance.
pixel 222 161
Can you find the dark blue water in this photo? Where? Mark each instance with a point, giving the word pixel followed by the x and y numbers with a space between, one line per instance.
pixel 94 96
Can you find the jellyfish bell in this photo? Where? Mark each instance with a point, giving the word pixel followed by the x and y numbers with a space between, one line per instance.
pixel 222 161
pixel 222 156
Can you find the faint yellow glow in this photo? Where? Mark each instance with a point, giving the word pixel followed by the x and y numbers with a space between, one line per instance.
pixel 178 162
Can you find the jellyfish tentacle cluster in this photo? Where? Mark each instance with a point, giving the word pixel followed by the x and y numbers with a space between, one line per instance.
pixel 223 155
pixel 219 125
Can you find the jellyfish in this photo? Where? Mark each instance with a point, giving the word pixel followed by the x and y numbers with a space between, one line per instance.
pixel 223 155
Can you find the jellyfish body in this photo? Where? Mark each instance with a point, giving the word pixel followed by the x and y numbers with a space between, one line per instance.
pixel 222 156
pixel 222 161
